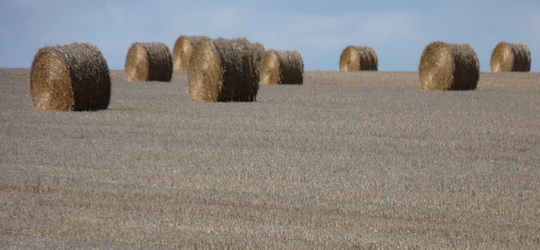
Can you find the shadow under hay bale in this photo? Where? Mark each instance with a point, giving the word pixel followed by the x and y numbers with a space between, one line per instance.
pixel 447 66
pixel 354 58
pixel 73 77
pixel 282 67
pixel 224 70
pixel 183 47
pixel 510 57
pixel 149 62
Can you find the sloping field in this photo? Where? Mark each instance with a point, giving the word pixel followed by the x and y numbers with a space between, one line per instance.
pixel 355 159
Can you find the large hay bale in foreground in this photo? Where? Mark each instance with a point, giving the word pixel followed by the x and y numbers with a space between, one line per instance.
pixel 354 58
pixel 149 62
pixel 447 66
pixel 224 70
pixel 511 57
pixel 73 77
pixel 183 47
pixel 282 67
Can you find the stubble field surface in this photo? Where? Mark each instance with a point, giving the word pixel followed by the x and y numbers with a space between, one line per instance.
pixel 356 159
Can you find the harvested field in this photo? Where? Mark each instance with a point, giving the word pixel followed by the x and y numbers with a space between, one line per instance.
pixel 349 159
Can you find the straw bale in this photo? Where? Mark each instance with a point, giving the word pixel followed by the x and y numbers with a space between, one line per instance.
pixel 282 67
pixel 224 70
pixel 183 47
pixel 355 58
pixel 73 77
pixel 510 57
pixel 447 66
pixel 149 62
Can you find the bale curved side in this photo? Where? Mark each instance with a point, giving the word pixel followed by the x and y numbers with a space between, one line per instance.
pixel 446 66
pixel 282 67
pixel 354 58
pixel 149 62
pixel 73 77
pixel 259 53
pixel 183 47
pixel 510 57
pixel 223 70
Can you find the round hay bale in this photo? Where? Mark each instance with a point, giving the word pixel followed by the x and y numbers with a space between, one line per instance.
pixel 282 67
pixel 223 70
pixel 259 52
pixel 183 47
pixel 447 66
pixel 73 77
pixel 511 57
pixel 149 62
pixel 354 58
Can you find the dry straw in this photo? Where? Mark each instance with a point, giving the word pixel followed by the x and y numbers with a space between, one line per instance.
pixel 354 58
pixel 182 50
pixel 282 67
pixel 447 66
pixel 224 70
pixel 149 62
pixel 259 53
pixel 73 77
pixel 511 57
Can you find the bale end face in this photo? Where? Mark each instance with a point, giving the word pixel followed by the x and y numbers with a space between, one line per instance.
pixel 445 66
pixel 205 73
pixel 73 77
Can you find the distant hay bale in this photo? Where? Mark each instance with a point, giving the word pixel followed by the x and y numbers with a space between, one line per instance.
pixel 511 57
pixel 73 77
pixel 183 47
pixel 282 67
pixel 224 70
pixel 149 62
pixel 447 66
pixel 354 58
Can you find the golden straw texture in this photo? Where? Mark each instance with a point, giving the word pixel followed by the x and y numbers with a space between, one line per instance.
pixel 149 62
pixel 224 70
pixel 183 47
pixel 510 57
pixel 354 58
pixel 71 77
pixel 446 66
pixel 282 67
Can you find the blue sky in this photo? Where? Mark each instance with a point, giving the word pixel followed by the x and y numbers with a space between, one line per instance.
pixel 319 30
